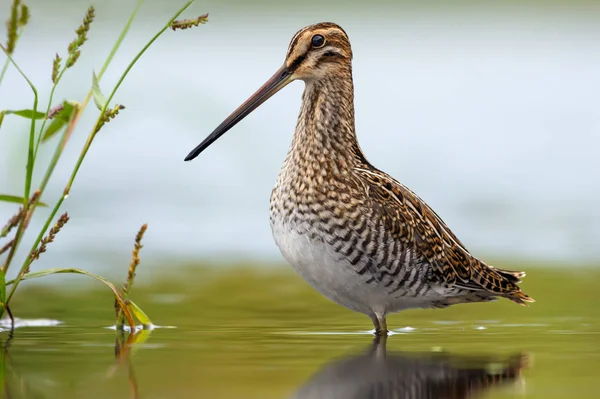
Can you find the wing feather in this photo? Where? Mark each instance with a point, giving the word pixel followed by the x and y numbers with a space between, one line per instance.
pixel 412 221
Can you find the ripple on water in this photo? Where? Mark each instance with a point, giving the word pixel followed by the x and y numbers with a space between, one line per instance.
pixel 5 324
pixel 139 327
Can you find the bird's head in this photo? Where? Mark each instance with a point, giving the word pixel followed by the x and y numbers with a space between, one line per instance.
pixel 316 52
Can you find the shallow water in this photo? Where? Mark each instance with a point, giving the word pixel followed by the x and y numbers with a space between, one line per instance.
pixel 250 332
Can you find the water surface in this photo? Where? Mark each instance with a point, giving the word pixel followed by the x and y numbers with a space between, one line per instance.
pixel 253 333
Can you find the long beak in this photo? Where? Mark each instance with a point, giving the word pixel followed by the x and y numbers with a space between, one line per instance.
pixel 277 82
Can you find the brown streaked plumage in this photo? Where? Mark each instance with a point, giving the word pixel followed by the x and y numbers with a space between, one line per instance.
pixel 355 234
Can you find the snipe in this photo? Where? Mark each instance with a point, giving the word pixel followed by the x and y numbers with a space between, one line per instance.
pixel 355 234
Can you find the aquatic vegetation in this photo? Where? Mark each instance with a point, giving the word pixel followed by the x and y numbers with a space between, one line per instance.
pixel 61 119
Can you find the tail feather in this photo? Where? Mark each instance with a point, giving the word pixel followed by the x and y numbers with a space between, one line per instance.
pixel 497 282
pixel 512 276
pixel 520 298
pixel 515 277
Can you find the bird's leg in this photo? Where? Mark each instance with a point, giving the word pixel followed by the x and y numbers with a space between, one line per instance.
pixel 375 321
pixel 382 324
pixel 379 323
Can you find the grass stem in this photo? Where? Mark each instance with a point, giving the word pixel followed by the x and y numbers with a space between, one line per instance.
pixel 29 171
pixel 91 136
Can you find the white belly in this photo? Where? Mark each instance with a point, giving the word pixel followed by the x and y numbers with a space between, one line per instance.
pixel 334 277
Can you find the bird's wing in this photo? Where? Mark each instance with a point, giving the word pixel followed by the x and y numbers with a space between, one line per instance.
pixel 412 221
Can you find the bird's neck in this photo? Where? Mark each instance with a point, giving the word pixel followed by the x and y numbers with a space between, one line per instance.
pixel 325 130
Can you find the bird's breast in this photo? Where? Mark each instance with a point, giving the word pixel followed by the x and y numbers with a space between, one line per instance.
pixel 339 244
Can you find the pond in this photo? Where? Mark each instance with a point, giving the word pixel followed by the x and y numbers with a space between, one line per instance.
pixel 250 332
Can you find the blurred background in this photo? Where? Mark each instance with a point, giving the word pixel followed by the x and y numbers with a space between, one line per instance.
pixel 489 111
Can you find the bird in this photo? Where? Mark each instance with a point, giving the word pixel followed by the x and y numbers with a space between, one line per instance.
pixel 380 374
pixel 358 236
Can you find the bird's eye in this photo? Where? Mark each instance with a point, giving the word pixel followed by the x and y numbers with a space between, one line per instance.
pixel 317 41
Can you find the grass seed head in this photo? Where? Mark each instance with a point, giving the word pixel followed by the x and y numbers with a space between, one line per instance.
pixel 189 23
pixel 55 111
pixel 55 67
pixel 108 115
pixel 12 26
pixel 24 16
pixel 82 31
pixel 62 220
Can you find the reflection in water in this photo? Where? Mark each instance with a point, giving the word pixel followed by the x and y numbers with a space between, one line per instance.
pixel 15 385
pixel 124 344
pixel 11 383
pixel 381 374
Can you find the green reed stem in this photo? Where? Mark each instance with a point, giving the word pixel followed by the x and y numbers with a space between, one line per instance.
pixel 28 260
pixel 7 62
pixel 87 145
pixel 41 133
pixel 58 150
pixel 112 94
pixel 67 133
pixel 113 51
pixel 3 72
pixel 29 171
pixel 30 153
